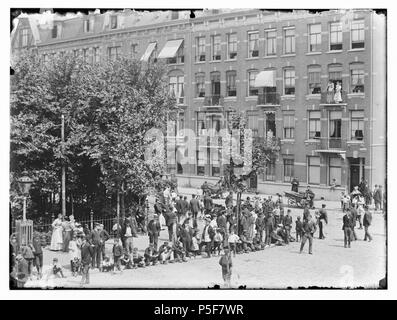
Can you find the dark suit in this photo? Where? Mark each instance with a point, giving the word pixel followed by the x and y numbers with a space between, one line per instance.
pixel 95 239
pixel 309 228
pixel 367 220
pixel 287 222
pixel 208 204
pixel 194 207
pixel 347 228
pixel 323 216
pixel 86 257
pixel 208 244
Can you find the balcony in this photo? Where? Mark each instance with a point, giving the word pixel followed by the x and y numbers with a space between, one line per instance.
pixel 213 101
pixel 332 99
pixel 268 99
pixel 331 145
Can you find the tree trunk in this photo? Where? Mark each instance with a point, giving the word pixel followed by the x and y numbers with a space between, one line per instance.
pixel 122 202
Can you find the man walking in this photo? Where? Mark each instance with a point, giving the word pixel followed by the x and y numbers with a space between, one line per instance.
pixel 287 222
pixel 154 229
pixel 367 220
pixel 226 263
pixel 347 228
pixel 309 228
pixel 208 204
pixel 95 240
pixel 194 208
pixel 322 217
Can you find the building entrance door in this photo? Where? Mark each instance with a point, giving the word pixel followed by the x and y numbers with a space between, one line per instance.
pixel 356 171
pixel 253 181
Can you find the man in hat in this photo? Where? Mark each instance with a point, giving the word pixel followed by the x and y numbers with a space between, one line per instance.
pixel 226 263
pixel 269 227
pixel 367 220
pixel 104 236
pixel 154 229
pixel 222 225
pixel 287 222
pixel 95 240
pixel 347 228
pixel 322 217
pixel 127 232
pixel 309 228
pixel 294 184
pixel 194 206
pixel 207 236
pixel 208 203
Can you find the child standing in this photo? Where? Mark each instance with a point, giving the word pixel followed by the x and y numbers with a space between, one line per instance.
pixel 226 263
pixel 75 254
pixel 233 239
pixel 195 244
pixel 38 254
pixel 117 254
pixel 27 253
pixel 218 239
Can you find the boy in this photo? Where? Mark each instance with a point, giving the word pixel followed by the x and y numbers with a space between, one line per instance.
pixel 179 252
pixel 126 261
pixel 226 263
pixel 195 244
pixel 298 228
pixel 27 252
pixel 165 253
pixel 38 254
pixel 137 259
pixel 218 239
pixel 117 254
pixel 150 255
pixel 257 244
pixel 56 269
pixel 86 258
pixel 233 239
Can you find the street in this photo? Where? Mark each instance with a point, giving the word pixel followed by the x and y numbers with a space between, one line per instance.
pixel 331 265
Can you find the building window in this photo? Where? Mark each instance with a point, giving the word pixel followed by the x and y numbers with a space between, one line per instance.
pixel 200 85
pixel 357 34
pixel 314 37
pixel 335 129
pixel 201 125
pixel 335 170
pixel 215 83
pixel 113 22
pixel 215 163
pixel 24 37
pixel 289 81
pixel 252 124
pixel 200 162
pixel 314 124
pixel 335 75
pixel 200 49
pixel 314 82
pixel 252 90
pixel 313 164
pixel 89 25
pixel 96 55
pixel 216 47
pixel 232 46
pixel 54 32
pixel 335 36
pixel 176 87
pixel 270 170
pixel 179 58
pixel 271 42
pixel 288 170
pixel 114 53
pixel 289 126
pixel 231 89
pixel 357 77
pixel 253 44
pixel 289 40
pixel 357 125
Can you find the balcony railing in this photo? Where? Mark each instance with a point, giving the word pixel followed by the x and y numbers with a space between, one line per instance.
pixel 332 98
pixel 270 98
pixel 214 100
pixel 331 143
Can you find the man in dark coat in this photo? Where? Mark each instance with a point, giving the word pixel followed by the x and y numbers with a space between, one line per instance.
pixel 347 228
pixel 184 206
pixel 95 241
pixel 310 196
pixel 309 228
pixel 260 225
pixel 178 207
pixel 294 184
pixel 367 220
pixel 322 217
pixel 154 229
pixel 171 221
pixel 306 213
pixel 222 225
pixel 269 227
pixel 86 253
pixel 194 207
pixel 287 222
pixel 378 198
pixel 208 204
pixel 207 237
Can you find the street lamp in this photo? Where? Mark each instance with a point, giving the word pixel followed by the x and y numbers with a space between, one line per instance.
pixel 25 183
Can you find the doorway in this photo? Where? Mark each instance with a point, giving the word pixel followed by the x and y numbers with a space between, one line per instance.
pixel 356 171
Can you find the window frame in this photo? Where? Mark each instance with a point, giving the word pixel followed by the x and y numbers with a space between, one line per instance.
pixel 200 75
pixel 360 123
pixel 178 87
pixel 333 166
pixel 317 166
pixel 200 54
pixel 317 124
pixel 289 165
pixel 229 44
pixel 291 38
pixel 252 71
pixel 290 129
pixel 313 69
pixel 339 33
pixel 231 74
pixel 216 45
pixel 291 78
pixel 352 32
pixel 117 53
pixel 113 23
pixel 317 37
pixel 359 75
pixel 249 40
pixel 273 40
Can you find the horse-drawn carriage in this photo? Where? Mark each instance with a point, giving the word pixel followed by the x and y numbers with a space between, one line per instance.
pixel 216 190
pixel 296 199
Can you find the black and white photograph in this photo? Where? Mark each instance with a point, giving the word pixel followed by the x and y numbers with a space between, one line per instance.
pixel 203 148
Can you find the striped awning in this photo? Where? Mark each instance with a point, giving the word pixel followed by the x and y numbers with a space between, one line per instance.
pixel 149 51
pixel 170 49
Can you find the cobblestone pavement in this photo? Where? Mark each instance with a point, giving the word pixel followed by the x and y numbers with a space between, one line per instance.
pixel 331 265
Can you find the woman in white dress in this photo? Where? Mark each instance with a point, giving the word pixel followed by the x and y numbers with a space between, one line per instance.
pixel 56 238
pixel 338 93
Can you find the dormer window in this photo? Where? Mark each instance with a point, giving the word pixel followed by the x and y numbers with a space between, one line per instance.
pixel 88 25
pixel 113 22
pixel 54 31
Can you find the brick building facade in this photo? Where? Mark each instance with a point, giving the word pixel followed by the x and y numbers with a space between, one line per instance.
pixel 315 81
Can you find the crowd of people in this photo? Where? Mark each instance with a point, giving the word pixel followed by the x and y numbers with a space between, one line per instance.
pixel 196 227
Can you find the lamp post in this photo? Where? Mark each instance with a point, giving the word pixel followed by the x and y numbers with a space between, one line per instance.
pixel 25 183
